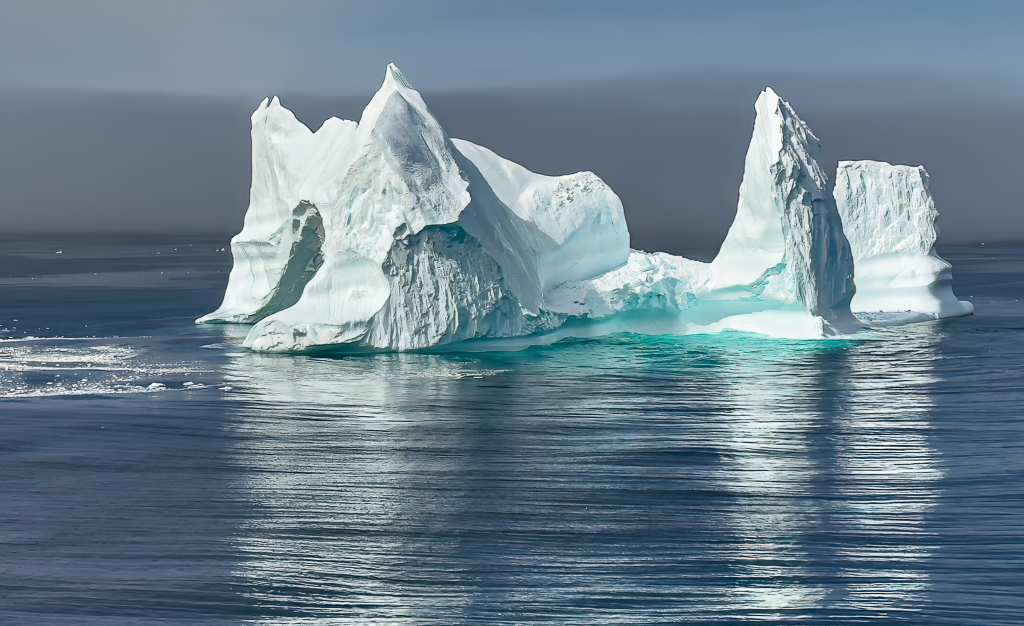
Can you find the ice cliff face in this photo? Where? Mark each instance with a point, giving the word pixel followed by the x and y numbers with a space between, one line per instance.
pixel 890 220
pixel 387 234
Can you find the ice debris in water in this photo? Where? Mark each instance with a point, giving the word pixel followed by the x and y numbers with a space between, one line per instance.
pixel 388 234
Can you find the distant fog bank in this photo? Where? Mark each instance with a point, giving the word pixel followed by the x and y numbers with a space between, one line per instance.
pixel 671 147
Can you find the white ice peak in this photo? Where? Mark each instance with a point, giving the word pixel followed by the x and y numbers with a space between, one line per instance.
pixel 387 234
pixel 787 238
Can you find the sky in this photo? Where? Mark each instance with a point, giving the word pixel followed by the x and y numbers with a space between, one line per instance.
pixel 120 116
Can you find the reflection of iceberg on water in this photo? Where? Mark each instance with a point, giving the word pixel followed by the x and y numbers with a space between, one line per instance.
pixel 387 234
pixel 829 455
pixel 805 479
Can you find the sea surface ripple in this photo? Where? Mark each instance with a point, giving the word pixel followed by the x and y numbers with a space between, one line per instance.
pixel 154 471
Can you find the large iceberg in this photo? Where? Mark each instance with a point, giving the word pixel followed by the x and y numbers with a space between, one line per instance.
pixel 384 234
pixel 890 221
pixel 388 234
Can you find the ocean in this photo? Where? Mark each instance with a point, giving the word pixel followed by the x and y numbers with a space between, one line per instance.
pixel 153 471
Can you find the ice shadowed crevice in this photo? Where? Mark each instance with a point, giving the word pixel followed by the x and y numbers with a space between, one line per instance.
pixel 284 153
pixel 304 258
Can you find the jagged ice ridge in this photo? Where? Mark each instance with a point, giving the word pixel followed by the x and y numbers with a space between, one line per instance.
pixel 388 234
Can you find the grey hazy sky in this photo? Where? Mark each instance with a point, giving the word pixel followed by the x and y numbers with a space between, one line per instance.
pixel 338 47
pixel 130 116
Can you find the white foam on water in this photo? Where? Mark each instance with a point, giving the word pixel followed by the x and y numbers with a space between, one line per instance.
pixel 34 367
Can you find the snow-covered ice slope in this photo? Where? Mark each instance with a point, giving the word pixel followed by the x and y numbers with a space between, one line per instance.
pixel 387 234
pixel 890 220
pixel 561 228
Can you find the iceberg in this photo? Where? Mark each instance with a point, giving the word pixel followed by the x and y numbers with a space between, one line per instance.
pixel 891 223
pixel 386 234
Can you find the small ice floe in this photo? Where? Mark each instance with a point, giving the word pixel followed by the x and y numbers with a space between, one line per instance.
pixel 59 252
pixel 155 386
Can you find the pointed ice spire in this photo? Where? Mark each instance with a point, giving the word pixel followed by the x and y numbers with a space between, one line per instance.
pixel 787 240
pixel 394 82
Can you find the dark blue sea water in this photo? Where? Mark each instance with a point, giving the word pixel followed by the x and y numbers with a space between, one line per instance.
pixel 152 471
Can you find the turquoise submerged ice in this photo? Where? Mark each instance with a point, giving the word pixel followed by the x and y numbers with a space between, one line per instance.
pixel 387 234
